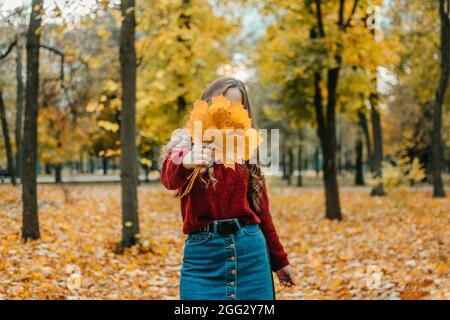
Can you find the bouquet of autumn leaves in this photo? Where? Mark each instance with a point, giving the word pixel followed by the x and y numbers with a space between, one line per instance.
pixel 228 125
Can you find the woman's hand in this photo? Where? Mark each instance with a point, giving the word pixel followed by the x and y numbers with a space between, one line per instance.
pixel 199 155
pixel 286 277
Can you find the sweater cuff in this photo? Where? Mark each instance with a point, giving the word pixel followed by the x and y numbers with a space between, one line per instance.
pixel 279 262
pixel 181 173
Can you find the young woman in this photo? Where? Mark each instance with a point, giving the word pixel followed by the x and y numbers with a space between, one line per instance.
pixel 232 245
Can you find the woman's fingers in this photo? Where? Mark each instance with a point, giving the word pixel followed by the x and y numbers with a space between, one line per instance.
pixel 203 158
pixel 291 277
pixel 203 154
pixel 287 283
pixel 286 277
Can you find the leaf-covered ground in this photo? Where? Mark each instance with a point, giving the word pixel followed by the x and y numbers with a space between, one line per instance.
pixel 394 247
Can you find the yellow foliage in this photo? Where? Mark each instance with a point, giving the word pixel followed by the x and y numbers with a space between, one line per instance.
pixel 231 121
pixel 109 126
pixel 222 122
pixel 179 58
pixel 401 174
pixel 146 162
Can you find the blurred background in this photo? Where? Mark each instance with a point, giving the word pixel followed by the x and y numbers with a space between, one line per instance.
pixel 358 89
pixel 267 44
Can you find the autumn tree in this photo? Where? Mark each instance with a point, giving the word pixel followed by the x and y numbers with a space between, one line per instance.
pixel 30 228
pixel 375 117
pixel 7 140
pixel 182 44
pixel 11 167
pixel 20 14
pixel 378 189
pixel 444 14
pixel 65 90
pixel 408 127
pixel 128 154
pixel 14 27
pixel 19 108
pixel 315 58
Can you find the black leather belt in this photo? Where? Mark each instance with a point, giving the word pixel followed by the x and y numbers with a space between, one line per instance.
pixel 223 227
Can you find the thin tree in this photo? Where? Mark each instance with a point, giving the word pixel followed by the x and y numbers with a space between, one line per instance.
pixel 326 120
pixel 30 226
pixel 375 117
pixel 438 186
pixel 19 110
pixel 128 163
pixel 8 147
pixel 184 21
pixel 359 176
pixel 378 190
pixel 299 165
pixel 365 129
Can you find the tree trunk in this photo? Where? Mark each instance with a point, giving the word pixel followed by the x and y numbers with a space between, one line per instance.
pixel 58 170
pixel 339 157
pixel 184 20
pixel 105 165
pixel 138 166
pixel 290 170
pixel 327 134
pixel 284 162
pixel 8 147
pixel 47 168
pixel 146 172
pixel 317 162
pixel 359 177
pixel 299 166
pixel 365 129
pixel 330 172
pixel 30 227
pixel 327 125
pixel 128 156
pixel 438 186
pixel 378 190
pixel 91 166
pixel 81 164
pixel 348 160
pixel 19 110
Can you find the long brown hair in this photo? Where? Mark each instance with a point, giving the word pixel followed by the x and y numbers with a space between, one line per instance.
pixel 256 184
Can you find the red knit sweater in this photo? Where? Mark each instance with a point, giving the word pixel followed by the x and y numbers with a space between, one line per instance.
pixel 228 199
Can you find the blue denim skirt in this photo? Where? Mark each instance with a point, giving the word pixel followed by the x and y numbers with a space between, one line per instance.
pixel 227 267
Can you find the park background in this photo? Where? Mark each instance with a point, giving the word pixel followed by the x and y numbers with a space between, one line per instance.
pixel 91 90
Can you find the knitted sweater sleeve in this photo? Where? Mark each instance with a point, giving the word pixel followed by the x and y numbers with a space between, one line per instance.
pixel 278 257
pixel 173 173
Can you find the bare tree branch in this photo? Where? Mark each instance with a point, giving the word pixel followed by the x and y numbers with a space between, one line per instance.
pixel 319 19
pixel 341 14
pixel 9 49
pixel 350 17
pixel 62 56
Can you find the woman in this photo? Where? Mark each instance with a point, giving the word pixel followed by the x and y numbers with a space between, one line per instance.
pixel 232 245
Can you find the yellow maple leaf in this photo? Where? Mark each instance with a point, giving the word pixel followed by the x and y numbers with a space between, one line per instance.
pixel 229 125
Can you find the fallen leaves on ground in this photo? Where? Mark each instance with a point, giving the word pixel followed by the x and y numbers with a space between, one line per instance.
pixel 393 247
